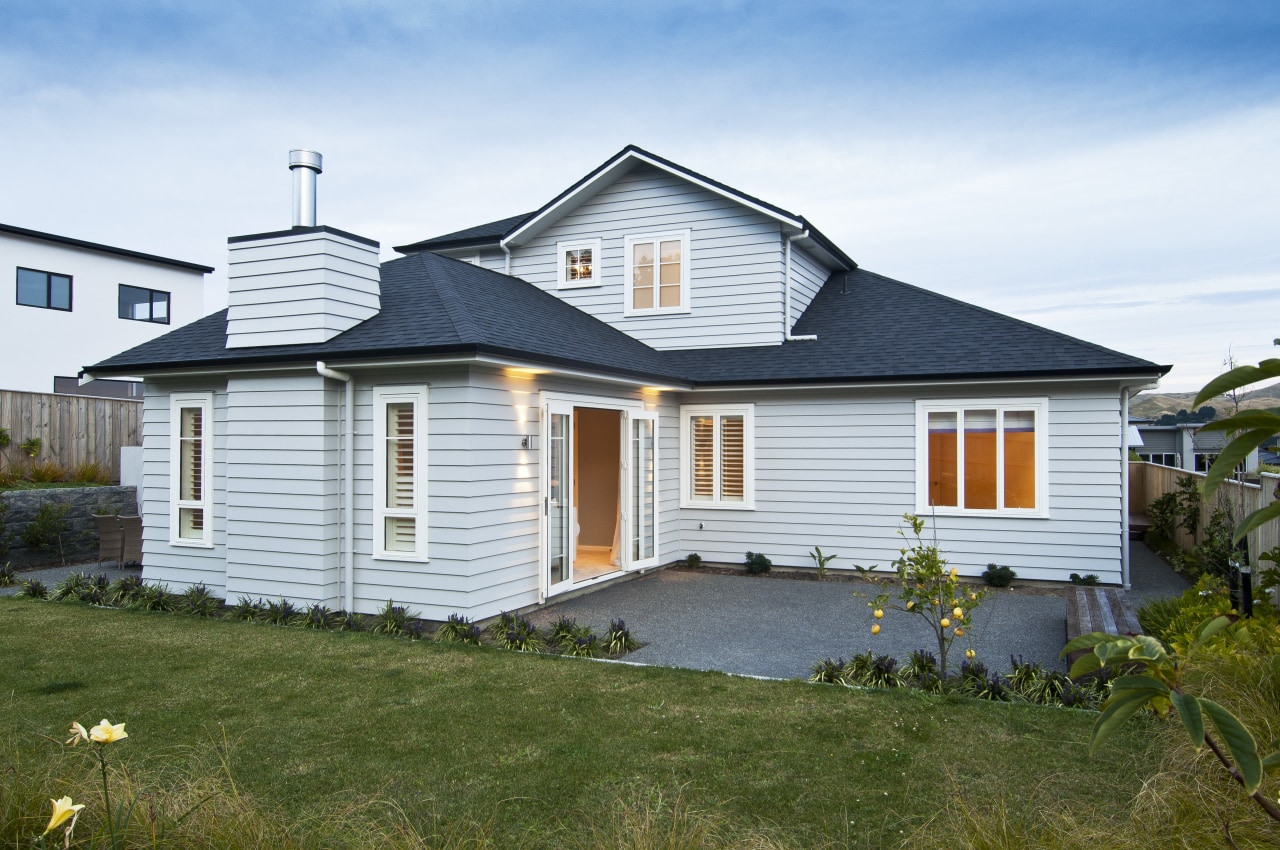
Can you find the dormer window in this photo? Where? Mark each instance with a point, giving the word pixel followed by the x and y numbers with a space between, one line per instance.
pixel 578 264
pixel 657 273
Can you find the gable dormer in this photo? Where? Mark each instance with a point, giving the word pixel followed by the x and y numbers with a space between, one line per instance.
pixel 673 258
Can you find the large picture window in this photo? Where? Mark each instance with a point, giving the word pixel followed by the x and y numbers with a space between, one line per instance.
pixel 191 469
pixel 717 455
pixel 982 456
pixel 657 273
pixel 400 490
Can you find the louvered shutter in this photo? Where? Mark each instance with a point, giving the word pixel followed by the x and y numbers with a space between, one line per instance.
pixel 702 485
pixel 401 531
pixel 732 459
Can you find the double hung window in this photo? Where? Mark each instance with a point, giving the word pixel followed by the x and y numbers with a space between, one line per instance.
pixel 717 453
pixel 400 488
pixel 982 456
pixel 657 273
pixel 191 469
pixel 44 289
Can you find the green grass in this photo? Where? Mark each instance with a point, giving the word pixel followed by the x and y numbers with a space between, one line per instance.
pixel 539 749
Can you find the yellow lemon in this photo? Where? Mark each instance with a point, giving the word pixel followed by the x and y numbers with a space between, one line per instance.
pixel 878 613
pixel 944 622
pixel 875 629
pixel 969 653
pixel 973 597
pixel 957 612
pixel 959 632
pixel 910 605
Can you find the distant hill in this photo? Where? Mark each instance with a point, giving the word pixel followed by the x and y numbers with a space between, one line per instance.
pixel 1155 405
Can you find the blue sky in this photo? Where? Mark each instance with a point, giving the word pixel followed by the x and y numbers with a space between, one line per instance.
pixel 1110 170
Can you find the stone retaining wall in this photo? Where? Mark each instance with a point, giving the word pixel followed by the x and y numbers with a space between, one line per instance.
pixel 80 542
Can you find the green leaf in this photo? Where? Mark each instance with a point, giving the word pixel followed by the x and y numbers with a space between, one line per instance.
pixel 1148 649
pixel 1224 465
pixel 1255 519
pixel 1189 711
pixel 1244 750
pixel 1241 376
pixel 1208 629
pixel 1271 762
pixel 1246 420
pixel 1086 663
pixel 1118 708
pixel 1088 641
pixel 1137 682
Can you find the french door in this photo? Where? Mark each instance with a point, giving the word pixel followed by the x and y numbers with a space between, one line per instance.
pixel 637 495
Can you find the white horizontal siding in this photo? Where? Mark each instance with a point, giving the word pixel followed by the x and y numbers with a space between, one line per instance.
pixel 180 567
pixel 735 261
pixel 836 469
pixel 283 497
pixel 807 277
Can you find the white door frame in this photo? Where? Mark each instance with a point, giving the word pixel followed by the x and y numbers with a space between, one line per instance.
pixel 560 403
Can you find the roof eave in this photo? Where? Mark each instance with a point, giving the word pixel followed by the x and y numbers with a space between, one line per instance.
pixel 104 249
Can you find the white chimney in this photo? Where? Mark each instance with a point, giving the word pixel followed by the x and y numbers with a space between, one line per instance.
pixel 303 285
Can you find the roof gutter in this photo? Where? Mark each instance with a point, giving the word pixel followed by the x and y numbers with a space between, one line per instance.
pixel 347 463
pixel 786 312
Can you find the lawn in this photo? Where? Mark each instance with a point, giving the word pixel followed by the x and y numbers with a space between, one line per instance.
pixel 537 748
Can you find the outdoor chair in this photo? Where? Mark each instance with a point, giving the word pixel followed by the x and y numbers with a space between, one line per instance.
pixel 110 538
pixel 131 547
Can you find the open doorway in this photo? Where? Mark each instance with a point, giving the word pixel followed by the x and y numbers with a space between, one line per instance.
pixel 597 473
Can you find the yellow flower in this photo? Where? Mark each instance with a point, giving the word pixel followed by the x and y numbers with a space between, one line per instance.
pixel 970 654
pixel 77 734
pixel 106 733
pixel 62 809
pixel 875 628
pixel 944 622
pixel 878 613
pixel 957 612
pixel 911 605
pixel 959 632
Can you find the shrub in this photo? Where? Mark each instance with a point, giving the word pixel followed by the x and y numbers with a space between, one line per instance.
pixel 563 631
pixel 89 473
pixel 393 620
pixel 156 597
pixel 318 616
pixel 1089 580
pixel 31 447
pixel 585 645
pixel 757 563
pixel 246 609
pixel 458 629
pixel 998 576
pixel 618 640
pixel 34 588
pixel 75 586
pixel 47 528
pixel 354 622
pixel 921 671
pixel 828 671
pixel 520 635
pixel 693 559
pixel 46 472
pixel 7 575
pixel 199 600
pixel 279 613
pixel 126 590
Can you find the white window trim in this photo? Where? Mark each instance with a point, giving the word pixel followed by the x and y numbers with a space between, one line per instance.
pixel 564 247
pixel 1039 406
pixel 748 413
pixel 178 402
pixel 382 396
pixel 628 273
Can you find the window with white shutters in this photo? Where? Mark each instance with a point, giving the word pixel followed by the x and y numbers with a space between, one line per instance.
pixel 191 469
pixel 716 447
pixel 400 465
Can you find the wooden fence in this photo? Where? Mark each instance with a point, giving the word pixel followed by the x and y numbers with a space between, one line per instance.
pixel 72 429
pixel 1149 481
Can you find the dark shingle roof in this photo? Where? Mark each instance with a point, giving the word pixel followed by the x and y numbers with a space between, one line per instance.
pixel 490 233
pixel 874 328
pixel 870 328
pixel 430 305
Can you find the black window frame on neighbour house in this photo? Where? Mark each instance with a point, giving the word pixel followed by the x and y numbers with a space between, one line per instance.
pixel 125 310
pixel 48 301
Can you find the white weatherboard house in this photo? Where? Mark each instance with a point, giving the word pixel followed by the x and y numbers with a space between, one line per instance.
pixel 74 302
pixel 652 364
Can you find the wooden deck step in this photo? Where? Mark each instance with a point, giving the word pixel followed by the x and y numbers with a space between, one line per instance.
pixel 1099 609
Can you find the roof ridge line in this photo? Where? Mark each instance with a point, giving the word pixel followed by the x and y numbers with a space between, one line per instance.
pixel 459 317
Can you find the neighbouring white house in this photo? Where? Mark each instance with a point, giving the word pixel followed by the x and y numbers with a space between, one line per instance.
pixel 1184 446
pixel 75 302
pixel 651 364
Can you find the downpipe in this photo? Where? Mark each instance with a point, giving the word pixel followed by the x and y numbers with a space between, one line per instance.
pixel 348 482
